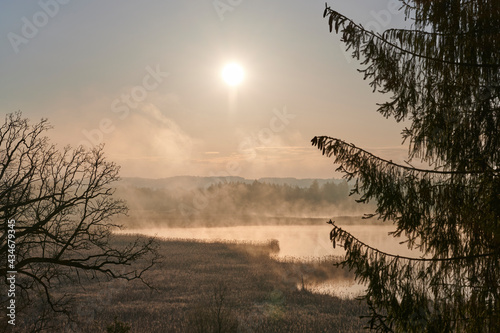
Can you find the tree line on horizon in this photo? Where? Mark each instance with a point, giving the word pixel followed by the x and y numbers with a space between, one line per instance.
pixel 236 201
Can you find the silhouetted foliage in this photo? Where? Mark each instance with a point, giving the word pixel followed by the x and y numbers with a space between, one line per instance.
pixel 444 77
pixel 62 203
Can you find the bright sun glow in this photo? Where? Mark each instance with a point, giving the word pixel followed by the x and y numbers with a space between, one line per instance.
pixel 233 74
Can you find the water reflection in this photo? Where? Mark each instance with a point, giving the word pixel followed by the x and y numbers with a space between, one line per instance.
pixel 297 243
pixel 345 289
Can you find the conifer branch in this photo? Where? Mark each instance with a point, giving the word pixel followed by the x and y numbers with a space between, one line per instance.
pixel 341 20
pixel 338 234
pixel 327 146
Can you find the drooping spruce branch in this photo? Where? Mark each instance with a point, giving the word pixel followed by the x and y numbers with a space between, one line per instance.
pixel 338 234
pixel 338 22
pixel 327 146
pixel 401 191
pixel 443 76
pixel 431 87
pixel 391 284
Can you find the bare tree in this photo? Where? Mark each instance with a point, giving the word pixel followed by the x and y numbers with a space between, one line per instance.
pixel 60 205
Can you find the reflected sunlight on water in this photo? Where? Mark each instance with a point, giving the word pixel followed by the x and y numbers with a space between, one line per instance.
pixel 294 240
pixel 297 243
pixel 348 289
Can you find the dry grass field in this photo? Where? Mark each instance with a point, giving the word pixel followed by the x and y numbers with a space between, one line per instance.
pixel 216 287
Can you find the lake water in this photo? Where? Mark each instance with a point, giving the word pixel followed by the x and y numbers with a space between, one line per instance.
pixel 297 242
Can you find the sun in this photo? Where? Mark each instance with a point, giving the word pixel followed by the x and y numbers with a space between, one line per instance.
pixel 233 74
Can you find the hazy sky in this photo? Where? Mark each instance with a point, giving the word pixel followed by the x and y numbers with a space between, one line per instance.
pixel 144 78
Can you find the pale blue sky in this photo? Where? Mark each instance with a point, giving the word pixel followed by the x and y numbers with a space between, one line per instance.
pixel 84 59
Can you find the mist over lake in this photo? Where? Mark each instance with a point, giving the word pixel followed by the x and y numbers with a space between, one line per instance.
pixel 287 212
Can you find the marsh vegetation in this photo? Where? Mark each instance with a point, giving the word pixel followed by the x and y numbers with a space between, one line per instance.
pixel 199 286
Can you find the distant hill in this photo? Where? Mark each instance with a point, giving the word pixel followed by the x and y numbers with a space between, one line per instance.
pixel 194 182
pixel 302 183
pixel 179 182
pixel 225 201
